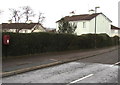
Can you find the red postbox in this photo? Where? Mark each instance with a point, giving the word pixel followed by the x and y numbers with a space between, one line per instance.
pixel 6 39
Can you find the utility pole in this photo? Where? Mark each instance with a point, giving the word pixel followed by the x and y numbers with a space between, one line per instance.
pixel 95 17
pixel 95 24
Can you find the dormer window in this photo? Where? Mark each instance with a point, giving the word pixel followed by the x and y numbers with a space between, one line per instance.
pixel 84 24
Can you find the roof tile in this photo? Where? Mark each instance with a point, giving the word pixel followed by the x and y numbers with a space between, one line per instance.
pixel 82 17
pixel 18 25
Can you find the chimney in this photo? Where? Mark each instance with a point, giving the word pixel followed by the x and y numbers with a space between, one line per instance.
pixel 29 21
pixel 9 21
pixel 91 11
pixel 72 13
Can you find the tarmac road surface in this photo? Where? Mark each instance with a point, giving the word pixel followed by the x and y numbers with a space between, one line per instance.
pixel 98 69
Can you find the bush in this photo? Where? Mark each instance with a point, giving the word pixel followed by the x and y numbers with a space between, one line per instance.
pixel 33 43
pixel 91 41
pixel 22 44
pixel 103 40
pixel 115 40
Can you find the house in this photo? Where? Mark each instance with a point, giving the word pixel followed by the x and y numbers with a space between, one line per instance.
pixel 86 23
pixel 22 27
pixel 115 31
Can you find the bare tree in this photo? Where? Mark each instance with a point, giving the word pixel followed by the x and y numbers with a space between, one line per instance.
pixel 24 14
pixel 40 18
pixel 28 12
pixel 16 15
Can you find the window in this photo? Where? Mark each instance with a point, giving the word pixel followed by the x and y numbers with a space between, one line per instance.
pixel 84 24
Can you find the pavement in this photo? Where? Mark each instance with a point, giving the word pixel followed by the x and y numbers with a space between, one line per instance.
pixel 13 66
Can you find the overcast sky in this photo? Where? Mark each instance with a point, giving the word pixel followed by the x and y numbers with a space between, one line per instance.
pixel 55 9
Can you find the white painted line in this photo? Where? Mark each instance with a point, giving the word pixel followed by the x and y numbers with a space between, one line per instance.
pixel 111 65
pixel 53 59
pixel 81 78
pixel 114 64
pixel 117 63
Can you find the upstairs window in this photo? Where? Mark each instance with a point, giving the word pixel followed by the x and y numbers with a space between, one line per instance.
pixel 84 24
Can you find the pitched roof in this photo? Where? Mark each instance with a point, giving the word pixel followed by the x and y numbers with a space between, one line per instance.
pixel 82 17
pixel 114 27
pixel 19 25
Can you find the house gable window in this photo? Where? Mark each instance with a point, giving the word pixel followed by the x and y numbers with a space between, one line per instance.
pixel 84 24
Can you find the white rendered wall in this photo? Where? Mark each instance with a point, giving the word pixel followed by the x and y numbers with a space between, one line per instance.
pixel 114 33
pixel 102 25
pixel 80 30
pixel 57 27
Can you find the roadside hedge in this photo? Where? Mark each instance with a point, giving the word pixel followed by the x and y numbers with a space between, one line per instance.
pixel 35 43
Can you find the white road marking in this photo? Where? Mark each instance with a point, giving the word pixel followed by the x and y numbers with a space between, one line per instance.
pixel 53 59
pixel 111 65
pixel 74 63
pixel 117 63
pixel 114 64
pixel 81 78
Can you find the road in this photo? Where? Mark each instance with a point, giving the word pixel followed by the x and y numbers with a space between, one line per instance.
pixel 98 69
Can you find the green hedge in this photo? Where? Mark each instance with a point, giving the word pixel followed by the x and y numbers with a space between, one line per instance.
pixel 33 43
pixel 22 44
pixel 115 40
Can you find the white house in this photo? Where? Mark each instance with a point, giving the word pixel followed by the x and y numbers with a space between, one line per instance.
pixel 115 31
pixel 86 23
pixel 22 27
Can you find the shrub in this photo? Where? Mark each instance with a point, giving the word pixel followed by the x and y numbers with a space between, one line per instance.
pixel 33 43
pixel 115 40
pixel 103 40
pixel 22 44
